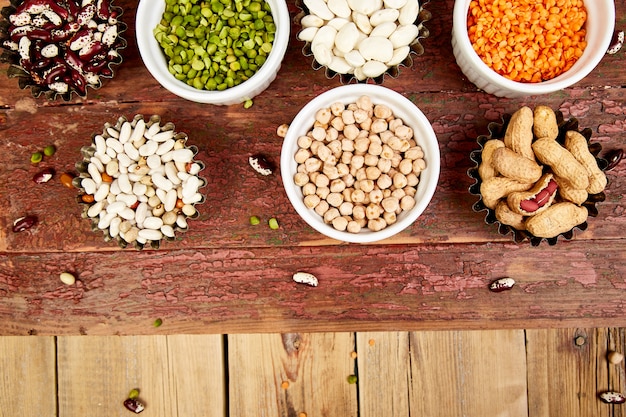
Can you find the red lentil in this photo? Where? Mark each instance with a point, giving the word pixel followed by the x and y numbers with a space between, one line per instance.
pixel 526 40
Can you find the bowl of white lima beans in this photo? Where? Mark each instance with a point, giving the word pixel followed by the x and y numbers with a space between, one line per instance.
pixel 360 163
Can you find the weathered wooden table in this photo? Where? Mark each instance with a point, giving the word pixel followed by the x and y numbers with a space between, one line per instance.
pixel 226 276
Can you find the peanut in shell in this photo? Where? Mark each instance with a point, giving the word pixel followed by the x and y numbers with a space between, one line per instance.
pixel 519 133
pixel 496 188
pixel 569 193
pixel 486 169
pixel 544 123
pixel 515 166
pixel 562 162
pixel 556 219
pixel 579 148
pixel 505 215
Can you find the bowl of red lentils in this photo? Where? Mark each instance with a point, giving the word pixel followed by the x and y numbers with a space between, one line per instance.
pixel 523 47
pixel 360 163
pixel 222 52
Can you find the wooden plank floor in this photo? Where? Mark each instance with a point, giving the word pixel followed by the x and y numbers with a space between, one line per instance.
pixel 490 373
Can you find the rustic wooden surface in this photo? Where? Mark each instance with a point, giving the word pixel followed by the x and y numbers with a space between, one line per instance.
pixel 225 276
pixel 488 373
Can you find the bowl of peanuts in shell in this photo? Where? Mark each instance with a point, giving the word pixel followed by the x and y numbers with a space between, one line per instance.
pixel 538 176
pixel 360 163
pixel 522 48
pixel 220 53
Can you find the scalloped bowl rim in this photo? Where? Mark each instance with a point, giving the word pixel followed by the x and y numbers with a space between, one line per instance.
pixel 403 108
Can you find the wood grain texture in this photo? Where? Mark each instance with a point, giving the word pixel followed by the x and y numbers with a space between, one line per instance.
pixel 556 363
pixel 291 373
pixel 481 373
pixel 384 374
pixel 177 375
pixel 225 276
pixel 28 376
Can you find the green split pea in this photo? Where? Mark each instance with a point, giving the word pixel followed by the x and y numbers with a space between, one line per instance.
pixel 215 44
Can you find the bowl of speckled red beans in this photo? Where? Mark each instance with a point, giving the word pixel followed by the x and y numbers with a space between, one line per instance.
pixel 62 47
pixel 530 48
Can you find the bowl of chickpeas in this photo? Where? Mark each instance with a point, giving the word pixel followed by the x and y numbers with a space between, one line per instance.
pixel 360 163
pixel 223 53
pixel 533 47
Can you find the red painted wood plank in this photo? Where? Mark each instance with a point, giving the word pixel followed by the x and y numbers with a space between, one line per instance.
pixel 393 287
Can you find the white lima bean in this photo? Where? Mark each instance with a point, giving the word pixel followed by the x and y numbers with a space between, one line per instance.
pixel 347 35
pixel 143 181
pixel 353 192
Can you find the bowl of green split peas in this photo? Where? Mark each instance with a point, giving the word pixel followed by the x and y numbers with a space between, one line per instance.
pixel 220 52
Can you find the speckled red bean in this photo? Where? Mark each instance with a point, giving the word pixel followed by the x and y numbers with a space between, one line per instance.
pixel 24 223
pixel 43 176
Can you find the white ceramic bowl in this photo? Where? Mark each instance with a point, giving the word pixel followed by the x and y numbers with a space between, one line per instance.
pixel 600 24
pixel 402 108
pixel 149 14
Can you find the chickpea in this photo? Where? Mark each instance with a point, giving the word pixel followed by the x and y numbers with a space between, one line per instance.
pixel 324 153
pixel 375 148
pixel 338 123
pixel 313 176
pixel 318 133
pixel 386 135
pixel 358 161
pixel 390 218
pixel 372 211
pixel 398 193
pixel 323 116
pixel 331 214
pixel 414 152
pixel 386 193
pixel 353 227
pixel 337 108
pixel 348 117
pixel 301 168
pixel 346 208
pixel 348 179
pixel 358 212
pixel 362 145
pixel 331 134
pixel 379 125
pixel 331 171
pixel 304 142
pixel 360 116
pixel 376 224
pixel 358 196
pixel 334 199
pixel 418 166
pixel 337 186
pixel 343 169
pixel 395 123
pixel 412 180
pixel 384 165
pixel 351 131
pixel 322 192
pixel 382 112
pixel 371 160
pixel 404 132
pixel 322 207
pixel 352 106
pixel 410 191
pixel 346 157
pixel 361 222
pixel 360 174
pixel 376 196
pixel 384 181
pixel 386 152
pixel 308 189
pixel 365 103
pixel 281 130
pixel 366 185
pixel 340 223
pixel 406 166
pixel 335 147
pixel 399 180
pixel 311 201
pixel 372 173
pixel 390 204
pixel 366 124
pixel 407 202
pixel 322 180
pixel 300 179
pixel 315 146
pixel 347 145
pixel 302 155
pixel 312 164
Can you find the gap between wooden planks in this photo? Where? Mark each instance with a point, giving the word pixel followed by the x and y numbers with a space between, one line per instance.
pixel 516 373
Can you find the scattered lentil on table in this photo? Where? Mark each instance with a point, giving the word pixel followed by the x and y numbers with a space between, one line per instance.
pixel 215 45
pixel 526 40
